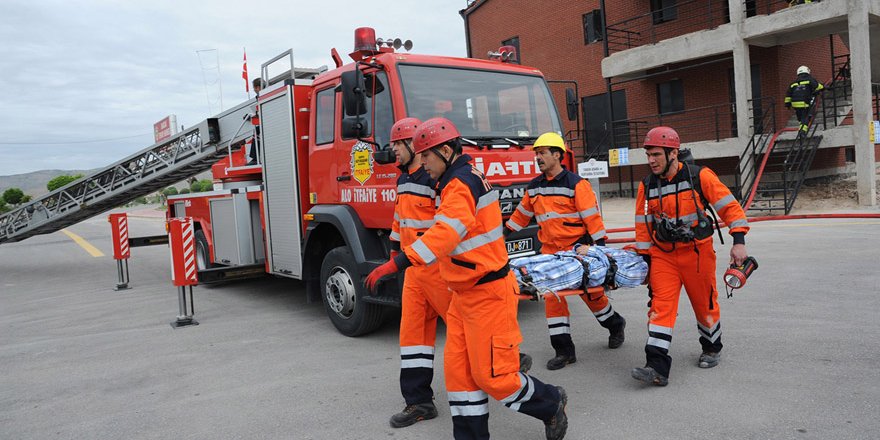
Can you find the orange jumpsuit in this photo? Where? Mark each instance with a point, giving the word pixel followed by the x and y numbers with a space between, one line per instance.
pixel 674 264
pixel 481 357
pixel 566 210
pixel 423 298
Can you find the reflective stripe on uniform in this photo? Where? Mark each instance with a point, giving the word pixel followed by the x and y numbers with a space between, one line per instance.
pixel 513 225
pixel 468 403
pixel 487 199
pixel 604 314
pixel 659 336
pixel 739 223
pixel 478 240
pixel 394 236
pixel 588 212
pixel 424 252
pixel 454 223
pixel 521 395
pixel 559 326
pixel 643 245
pixel 415 188
pixel 417 224
pixel 723 202
pixel 598 235
pixel 524 211
pixel 712 334
pixel 417 356
pixel 551 191
pixel 553 214
pixel 669 189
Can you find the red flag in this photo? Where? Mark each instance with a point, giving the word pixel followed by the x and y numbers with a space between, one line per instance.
pixel 244 75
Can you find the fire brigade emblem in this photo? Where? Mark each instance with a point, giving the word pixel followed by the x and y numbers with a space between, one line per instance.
pixel 361 162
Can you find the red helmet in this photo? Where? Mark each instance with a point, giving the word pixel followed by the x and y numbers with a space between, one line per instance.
pixel 662 136
pixel 404 129
pixel 433 132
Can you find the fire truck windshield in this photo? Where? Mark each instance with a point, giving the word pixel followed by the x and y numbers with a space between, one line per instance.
pixel 483 104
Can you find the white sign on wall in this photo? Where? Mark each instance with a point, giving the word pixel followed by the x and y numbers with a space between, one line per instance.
pixel 593 169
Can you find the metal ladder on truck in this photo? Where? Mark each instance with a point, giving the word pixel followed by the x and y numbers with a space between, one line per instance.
pixel 183 155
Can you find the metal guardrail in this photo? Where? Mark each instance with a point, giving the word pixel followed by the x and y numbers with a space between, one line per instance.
pixel 671 21
pixel 763 125
pixel 714 122
pixel 752 8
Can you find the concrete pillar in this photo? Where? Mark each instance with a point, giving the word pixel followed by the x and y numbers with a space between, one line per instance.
pixel 860 65
pixel 742 73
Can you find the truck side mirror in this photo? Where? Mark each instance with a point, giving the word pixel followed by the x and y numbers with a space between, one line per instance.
pixel 384 156
pixel 354 128
pixel 571 104
pixel 353 93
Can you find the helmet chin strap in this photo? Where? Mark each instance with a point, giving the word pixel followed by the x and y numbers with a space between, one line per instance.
pixel 447 162
pixel 412 156
pixel 668 163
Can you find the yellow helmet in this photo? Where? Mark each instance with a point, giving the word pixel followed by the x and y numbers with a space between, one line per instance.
pixel 550 139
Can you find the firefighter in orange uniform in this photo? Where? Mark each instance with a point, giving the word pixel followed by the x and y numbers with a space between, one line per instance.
pixel 674 235
pixel 481 357
pixel 423 299
pixel 567 213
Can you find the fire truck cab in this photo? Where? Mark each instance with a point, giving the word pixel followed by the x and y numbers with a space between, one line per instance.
pixel 319 202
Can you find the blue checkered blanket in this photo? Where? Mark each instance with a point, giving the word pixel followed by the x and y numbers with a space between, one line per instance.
pixel 565 270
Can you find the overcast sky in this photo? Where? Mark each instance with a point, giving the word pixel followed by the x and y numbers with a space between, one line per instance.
pixel 76 74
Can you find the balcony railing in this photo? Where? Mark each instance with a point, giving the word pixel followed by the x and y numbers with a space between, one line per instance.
pixel 766 7
pixel 710 123
pixel 672 21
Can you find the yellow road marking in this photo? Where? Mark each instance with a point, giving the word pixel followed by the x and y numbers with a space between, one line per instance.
pixel 93 251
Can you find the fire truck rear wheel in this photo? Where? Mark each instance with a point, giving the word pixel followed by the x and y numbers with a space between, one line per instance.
pixel 342 293
pixel 203 258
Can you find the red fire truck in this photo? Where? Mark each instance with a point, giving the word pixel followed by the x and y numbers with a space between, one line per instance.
pixel 317 201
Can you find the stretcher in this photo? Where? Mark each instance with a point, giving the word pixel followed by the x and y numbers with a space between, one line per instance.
pixel 530 292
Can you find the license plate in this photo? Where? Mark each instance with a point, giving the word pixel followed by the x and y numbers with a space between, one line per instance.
pixel 519 246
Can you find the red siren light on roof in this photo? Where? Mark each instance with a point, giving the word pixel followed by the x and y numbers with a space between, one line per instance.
pixel 365 39
pixel 505 54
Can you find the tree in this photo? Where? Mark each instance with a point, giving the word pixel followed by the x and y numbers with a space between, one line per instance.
pixel 170 191
pixel 201 185
pixel 61 180
pixel 26 198
pixel 184 191
pixel 13 196
pixel 3 206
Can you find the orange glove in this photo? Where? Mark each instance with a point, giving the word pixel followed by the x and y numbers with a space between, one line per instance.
pixel 393 253
pixel 384 270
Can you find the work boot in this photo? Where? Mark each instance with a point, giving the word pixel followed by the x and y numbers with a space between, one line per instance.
pixel 709 359
pixel 525 363
pixel 560 361
pixel 649 376
pixel 616 336
pixel 414 413
pixel 557 425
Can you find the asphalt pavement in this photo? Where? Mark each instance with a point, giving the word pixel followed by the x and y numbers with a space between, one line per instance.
pixel 82 361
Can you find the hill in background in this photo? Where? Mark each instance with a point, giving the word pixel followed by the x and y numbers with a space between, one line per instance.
pixel 34 183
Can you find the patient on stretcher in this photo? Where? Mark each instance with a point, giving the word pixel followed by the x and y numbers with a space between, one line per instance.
pixel 581 268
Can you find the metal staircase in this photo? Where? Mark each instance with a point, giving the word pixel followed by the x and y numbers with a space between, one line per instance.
pixel 186 154
pixel 773 167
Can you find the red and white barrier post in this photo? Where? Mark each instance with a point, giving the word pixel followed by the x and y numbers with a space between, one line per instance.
pixel 184 273
pixel 121 249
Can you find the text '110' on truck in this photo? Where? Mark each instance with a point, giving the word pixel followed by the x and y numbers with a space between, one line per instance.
pixel 310 193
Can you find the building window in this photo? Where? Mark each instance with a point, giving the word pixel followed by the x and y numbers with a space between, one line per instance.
pixel 593 29
pixel 663 11
pixel 325 109
pixel 670 97
pixel 514 41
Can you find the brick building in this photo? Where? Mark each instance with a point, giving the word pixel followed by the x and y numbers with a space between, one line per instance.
pixel 716 70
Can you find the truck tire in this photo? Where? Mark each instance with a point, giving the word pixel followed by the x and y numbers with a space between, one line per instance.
pixel 341 292
pixel 203 258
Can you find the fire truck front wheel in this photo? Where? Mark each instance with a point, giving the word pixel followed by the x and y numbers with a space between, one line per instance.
pixel 342 293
